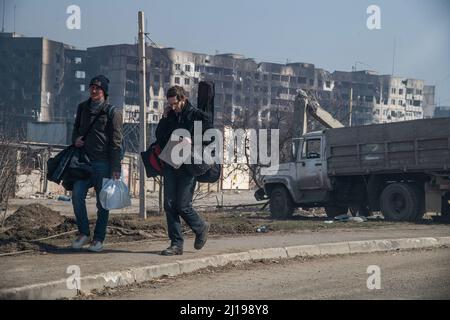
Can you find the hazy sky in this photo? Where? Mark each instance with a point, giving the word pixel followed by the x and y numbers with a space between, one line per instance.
pixel 331 34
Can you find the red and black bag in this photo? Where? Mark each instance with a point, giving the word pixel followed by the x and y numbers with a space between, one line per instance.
pixel 152 164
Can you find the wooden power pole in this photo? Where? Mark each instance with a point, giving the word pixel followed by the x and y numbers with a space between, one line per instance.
pixel 142 114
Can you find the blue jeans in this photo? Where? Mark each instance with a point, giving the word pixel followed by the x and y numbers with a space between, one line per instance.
pixel 102 170
pixel 179 189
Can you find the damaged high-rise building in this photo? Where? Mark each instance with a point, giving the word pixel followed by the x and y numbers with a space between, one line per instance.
pixel 43 81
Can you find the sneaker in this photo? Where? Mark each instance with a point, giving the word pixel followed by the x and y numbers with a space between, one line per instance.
pixel 200 239
pixel 80 241
pixel 96 246
pixel 172 251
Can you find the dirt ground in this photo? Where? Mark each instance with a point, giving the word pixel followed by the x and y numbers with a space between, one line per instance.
pixel 38 228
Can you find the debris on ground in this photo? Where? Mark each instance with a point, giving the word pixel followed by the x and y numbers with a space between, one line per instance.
pixel 375 218
pixel 262 229
pixel 347 218
pixel 34 216
pixel 358 219
pixel 64 198
pixel 342 218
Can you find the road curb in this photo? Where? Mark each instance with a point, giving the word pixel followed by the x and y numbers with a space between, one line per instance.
pixel 59 289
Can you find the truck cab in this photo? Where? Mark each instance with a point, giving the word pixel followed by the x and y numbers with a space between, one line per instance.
pixel 303 182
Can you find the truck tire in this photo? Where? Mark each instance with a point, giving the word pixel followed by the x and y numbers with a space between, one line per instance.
pixel 400 202
pixel 281 204
pixel 334 211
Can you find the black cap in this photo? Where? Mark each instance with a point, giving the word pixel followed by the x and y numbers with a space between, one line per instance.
pixel 102 82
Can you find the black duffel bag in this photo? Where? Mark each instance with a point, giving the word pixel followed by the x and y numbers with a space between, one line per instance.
pixel 57 165
pixel 204 173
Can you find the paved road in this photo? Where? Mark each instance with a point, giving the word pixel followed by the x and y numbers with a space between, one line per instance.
pixel 24 270
pixel 420 274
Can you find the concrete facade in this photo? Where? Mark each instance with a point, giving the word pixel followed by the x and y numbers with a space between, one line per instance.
pixel 43 80
pixel 37 82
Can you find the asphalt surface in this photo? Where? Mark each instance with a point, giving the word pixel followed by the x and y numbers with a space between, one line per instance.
pixel 416 274
pixel 22 270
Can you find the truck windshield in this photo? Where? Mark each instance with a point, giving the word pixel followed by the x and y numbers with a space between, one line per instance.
pixel 311 149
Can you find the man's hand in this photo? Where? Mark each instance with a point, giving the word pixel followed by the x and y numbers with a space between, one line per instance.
pixel 116 175
pixel 79 143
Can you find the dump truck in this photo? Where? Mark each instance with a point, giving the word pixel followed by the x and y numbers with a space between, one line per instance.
pixel 401 169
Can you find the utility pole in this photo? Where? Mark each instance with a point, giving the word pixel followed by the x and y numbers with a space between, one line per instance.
pixel 142 114
pixel 3 21
pixel 350 104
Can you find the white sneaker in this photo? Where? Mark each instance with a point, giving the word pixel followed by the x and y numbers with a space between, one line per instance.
pixel 80 241
pixel 96 246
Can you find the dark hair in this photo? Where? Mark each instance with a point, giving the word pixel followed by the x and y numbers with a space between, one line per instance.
pixel 176 91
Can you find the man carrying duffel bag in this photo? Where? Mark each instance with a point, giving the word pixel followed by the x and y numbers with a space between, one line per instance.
pixel 103 146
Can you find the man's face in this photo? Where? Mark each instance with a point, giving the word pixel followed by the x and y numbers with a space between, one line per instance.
pixel 175 104
pixel 96 93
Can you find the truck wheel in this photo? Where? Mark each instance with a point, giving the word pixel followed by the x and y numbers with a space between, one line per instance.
pixel 281 204
pixel 334 211
pixel 400 202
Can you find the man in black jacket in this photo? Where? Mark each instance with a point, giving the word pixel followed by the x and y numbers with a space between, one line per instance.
pixel 179 185
pixel 103 147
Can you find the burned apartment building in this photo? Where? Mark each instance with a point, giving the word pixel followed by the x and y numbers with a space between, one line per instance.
pixel 380 98
pixel 40 80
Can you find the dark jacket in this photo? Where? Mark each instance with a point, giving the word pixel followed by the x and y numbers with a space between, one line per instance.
pixel 184 120
pixel 104 141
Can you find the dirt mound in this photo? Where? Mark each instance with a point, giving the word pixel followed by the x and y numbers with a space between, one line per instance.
pixel 29 223
pixel 34 216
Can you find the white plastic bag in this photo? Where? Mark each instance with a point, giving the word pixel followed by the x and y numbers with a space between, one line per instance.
pixel 114 194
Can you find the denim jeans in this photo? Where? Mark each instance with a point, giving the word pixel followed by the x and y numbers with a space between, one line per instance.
pixel 179 189
pixel 102 170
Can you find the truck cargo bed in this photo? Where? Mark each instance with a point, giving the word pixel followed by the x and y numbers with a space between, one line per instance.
pixel 410 146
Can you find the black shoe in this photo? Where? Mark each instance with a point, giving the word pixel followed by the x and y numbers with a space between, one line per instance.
pixel 200 239
pixel 172 251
